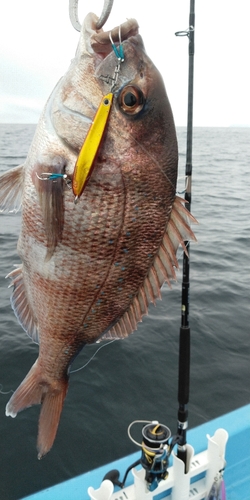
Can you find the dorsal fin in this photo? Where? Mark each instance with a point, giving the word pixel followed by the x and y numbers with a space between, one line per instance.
pixel 11 187
pixel 163 269
pixel 20 305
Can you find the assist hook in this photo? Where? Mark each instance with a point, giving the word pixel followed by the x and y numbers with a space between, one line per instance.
pixel 73 14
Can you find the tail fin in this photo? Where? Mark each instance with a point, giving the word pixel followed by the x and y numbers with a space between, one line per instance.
pixel 35 389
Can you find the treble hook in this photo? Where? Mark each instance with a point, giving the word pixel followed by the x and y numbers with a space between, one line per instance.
pixel 73 14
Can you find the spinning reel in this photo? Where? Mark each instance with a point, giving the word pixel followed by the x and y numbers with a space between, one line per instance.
pixel 155 451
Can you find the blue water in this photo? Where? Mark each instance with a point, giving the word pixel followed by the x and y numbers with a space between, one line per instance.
pixel 137 378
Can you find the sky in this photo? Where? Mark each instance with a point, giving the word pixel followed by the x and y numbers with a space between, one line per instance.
pixel 37 43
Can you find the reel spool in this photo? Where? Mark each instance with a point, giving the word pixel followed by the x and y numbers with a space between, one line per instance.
pixel 155 453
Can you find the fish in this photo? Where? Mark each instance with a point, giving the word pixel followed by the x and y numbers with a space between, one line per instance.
pixel 91 266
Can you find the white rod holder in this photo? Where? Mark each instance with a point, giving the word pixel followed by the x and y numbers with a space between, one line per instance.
pixel 207 464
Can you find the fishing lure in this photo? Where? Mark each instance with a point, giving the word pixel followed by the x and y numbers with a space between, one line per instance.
pixel 85 161
pixel 217 491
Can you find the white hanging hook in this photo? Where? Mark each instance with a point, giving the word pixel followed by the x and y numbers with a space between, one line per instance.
pixel 73 14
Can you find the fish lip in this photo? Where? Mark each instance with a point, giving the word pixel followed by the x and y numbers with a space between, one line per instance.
pixel 98 41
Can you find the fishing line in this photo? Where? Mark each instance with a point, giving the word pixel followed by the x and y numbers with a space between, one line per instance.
pixel 129 430
pixel 73 371
pixel 92 357
pixel 5 392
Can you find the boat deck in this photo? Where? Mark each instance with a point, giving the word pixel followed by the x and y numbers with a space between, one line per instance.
pixel 237 473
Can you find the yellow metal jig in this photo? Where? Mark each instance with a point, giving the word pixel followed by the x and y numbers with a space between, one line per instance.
pixel 85 160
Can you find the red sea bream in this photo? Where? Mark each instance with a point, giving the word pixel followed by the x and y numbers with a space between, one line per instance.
pixel 90 269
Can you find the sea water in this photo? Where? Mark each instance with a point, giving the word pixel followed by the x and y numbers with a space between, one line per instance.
pixel 137 378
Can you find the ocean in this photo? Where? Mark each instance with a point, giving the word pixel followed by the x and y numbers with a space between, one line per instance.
pixel 136 378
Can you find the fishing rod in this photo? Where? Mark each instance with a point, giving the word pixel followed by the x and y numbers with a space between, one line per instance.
pixel 154 457
pixel 184 336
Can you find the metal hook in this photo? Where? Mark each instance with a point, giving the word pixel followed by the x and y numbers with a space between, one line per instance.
pixel 50 176
pixel 112 80
pixel 73 14
pixel 118 51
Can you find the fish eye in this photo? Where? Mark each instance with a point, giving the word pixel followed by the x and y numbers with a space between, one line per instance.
pixel 131 100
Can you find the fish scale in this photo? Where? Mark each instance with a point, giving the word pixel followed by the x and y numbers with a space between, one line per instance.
pixel 91 269
pixel 141 253
pixel 86 276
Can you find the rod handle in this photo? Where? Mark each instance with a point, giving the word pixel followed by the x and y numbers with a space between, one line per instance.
pixel 184 365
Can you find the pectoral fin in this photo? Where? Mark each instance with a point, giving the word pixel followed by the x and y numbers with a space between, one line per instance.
pixel 11 187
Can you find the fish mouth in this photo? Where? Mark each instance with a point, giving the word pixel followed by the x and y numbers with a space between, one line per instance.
pixel 100 40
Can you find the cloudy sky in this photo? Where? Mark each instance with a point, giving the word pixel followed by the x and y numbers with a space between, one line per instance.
pixel 37 43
